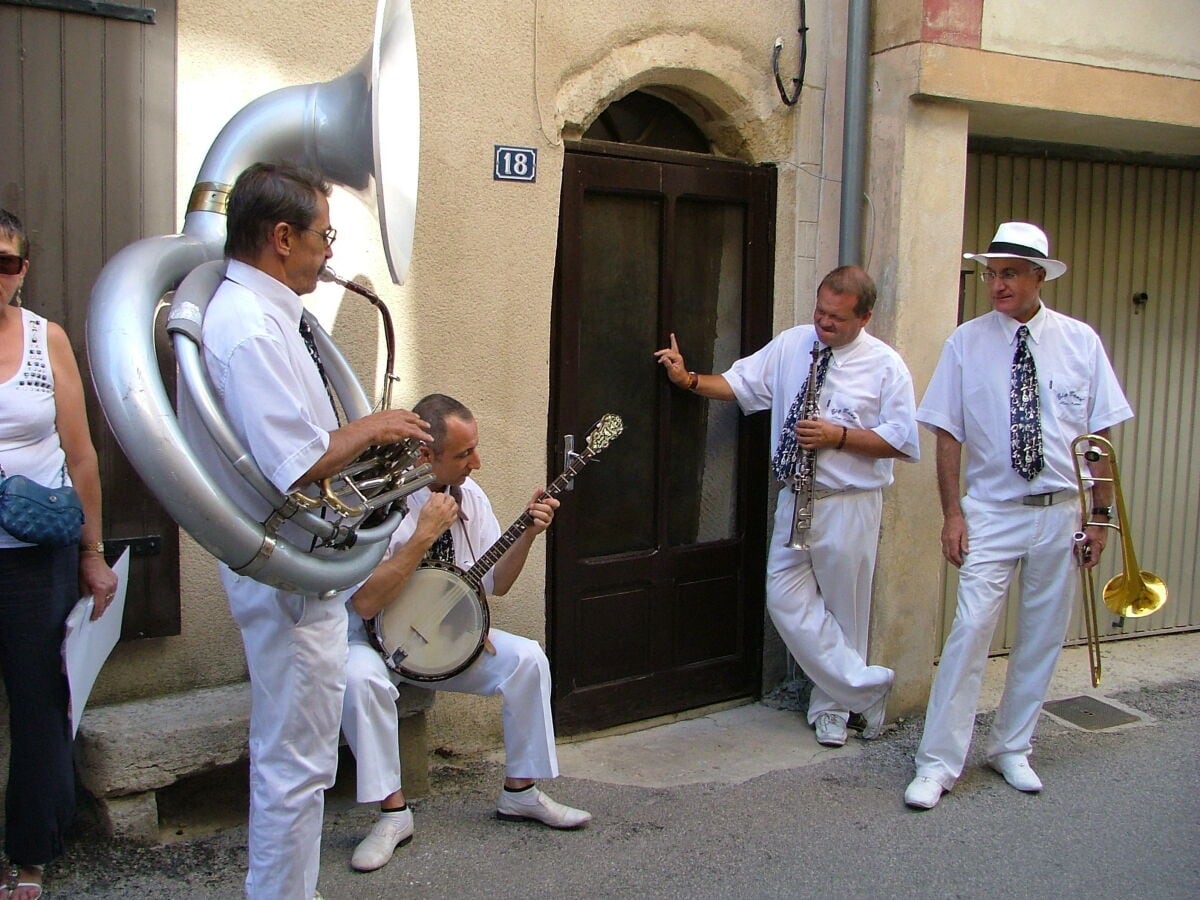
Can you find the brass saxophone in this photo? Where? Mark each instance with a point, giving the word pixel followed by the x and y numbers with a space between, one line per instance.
pixel 804 477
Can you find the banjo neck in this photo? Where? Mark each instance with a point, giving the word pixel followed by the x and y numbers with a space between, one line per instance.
pixel 519 527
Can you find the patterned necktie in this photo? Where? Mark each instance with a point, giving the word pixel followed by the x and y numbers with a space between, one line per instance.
pixel 1024 412
pixel 310 342
pixel 443 548
pixel 788 450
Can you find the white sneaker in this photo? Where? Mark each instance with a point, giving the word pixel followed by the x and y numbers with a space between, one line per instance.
pixel 515 806
pixel 390 831
pixel 923 793
pixel 1018 772
pixel 875 715
pixel 831 730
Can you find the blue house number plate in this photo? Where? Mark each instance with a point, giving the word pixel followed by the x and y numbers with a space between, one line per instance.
pixel 515 164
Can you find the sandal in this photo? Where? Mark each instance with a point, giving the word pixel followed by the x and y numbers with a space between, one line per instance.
pixel 29 890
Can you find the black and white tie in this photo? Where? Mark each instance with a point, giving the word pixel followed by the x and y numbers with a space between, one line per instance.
pixel 442 549
pixel 310 342
pixel 789 450
pixel 1024 412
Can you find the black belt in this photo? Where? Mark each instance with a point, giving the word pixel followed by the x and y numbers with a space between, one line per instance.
pixel 1047 499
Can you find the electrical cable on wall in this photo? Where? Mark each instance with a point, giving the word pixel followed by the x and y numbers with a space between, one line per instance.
pixel 798 81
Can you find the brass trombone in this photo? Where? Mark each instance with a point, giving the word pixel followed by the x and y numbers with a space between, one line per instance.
pixel 1131 593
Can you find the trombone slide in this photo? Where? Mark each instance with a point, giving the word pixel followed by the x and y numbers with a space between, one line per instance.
pixel 1092 628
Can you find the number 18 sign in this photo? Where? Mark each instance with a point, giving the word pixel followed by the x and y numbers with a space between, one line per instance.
pixel 515 164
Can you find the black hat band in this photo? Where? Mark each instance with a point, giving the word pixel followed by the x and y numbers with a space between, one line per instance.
pixel 1015 249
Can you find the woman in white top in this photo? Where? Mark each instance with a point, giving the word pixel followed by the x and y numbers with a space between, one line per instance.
pixel 43 436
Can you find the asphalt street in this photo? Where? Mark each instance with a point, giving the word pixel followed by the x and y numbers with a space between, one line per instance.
pixel 1119 818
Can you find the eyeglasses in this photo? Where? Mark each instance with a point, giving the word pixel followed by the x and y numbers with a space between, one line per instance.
pixel 329 235
pixel 1008 276
pixel 11 265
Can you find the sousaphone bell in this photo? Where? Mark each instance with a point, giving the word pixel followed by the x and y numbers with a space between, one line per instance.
pixel 360 131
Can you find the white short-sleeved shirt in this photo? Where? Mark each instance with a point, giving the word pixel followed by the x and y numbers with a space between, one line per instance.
pixel 473 534
pixel 867 386
pixel 968 397
pixel 268 385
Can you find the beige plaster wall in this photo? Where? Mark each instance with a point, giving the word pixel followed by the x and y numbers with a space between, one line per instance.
pixel 1158 37
pixel 1119 75
pixel 896 23
pixel 473 318
pixel 1065 102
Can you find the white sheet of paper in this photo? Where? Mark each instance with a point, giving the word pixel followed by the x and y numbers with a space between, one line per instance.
pixel 87 644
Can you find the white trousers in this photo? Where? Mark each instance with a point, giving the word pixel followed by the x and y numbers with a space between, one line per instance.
pixel 518 671
pixel 296 653
pixel 820 599
pixel 1001 535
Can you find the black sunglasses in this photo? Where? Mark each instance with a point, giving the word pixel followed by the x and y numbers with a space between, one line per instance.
pixel 11 265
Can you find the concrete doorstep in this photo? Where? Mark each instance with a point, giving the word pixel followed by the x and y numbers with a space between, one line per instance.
pixel 714 748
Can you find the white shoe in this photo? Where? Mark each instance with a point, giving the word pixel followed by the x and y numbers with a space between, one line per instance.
pixel 875 715
pixel 831 730
pixel 515 806
pixel 923 793
pixel 392 830
pixel 1016 771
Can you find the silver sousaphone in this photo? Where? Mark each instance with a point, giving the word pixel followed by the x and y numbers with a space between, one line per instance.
pixel 360 131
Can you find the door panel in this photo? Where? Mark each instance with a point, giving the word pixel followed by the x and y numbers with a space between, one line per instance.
pixel 657 560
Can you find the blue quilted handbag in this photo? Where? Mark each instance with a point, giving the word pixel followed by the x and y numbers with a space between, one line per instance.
pixel 36 514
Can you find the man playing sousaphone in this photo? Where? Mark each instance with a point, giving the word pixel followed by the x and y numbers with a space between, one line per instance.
pixel 450 520
pixel 270 384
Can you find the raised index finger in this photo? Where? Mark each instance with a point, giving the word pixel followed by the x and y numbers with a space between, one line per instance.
pixel 674 345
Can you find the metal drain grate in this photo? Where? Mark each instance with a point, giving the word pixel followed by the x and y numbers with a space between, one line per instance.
pixel 1090 713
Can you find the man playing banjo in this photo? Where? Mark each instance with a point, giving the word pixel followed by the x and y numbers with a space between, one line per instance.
pixel 450 520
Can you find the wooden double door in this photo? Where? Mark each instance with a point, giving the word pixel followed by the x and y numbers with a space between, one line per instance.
pixel 657 561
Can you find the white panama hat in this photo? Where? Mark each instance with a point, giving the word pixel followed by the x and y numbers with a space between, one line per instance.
pixel 1023 241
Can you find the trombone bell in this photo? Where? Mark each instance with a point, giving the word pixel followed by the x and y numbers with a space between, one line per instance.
pixel 1135 597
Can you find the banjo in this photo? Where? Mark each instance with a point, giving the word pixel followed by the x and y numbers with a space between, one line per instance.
pixel 438 623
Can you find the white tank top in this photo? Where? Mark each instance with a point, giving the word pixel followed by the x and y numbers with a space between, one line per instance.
pixel 29 442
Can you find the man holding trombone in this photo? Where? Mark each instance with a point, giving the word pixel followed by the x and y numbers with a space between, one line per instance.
pixel 819 574
pixel 1015 386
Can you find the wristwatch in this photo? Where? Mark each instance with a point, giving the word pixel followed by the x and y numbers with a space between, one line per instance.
pixel 1105 511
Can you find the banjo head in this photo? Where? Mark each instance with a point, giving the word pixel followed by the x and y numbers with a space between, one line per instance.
pixel 436 627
